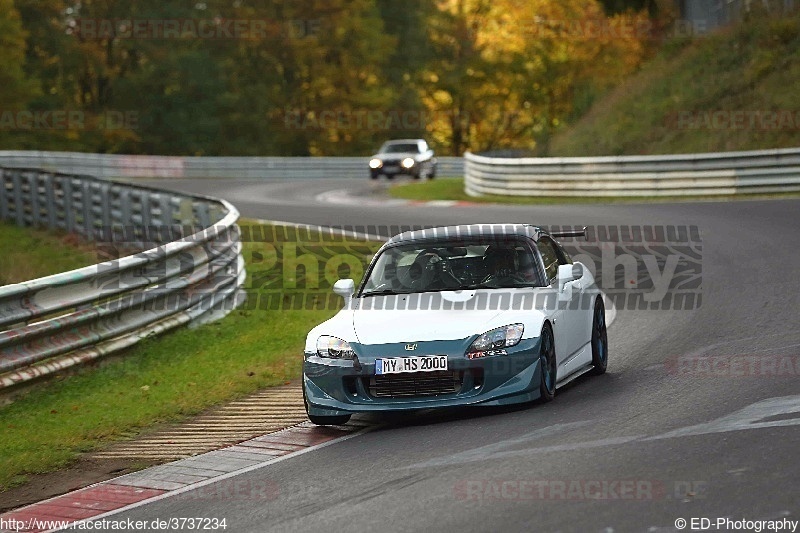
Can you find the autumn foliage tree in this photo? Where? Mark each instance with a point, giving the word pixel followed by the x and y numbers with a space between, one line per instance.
pixel 509 72
pixel 478 74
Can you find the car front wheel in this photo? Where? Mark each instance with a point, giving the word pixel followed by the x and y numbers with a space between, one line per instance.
pixel 599 338
pixel 547 365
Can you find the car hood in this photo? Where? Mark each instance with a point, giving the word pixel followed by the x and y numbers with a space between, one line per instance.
pixel 383 327
pixel 426 317
pixel 434 316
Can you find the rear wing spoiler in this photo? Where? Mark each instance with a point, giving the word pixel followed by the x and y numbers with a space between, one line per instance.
pixel 571 233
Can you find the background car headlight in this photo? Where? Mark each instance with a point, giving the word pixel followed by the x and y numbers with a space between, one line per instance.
pixel 408 162
pixel 375 163
pixel 497 339
pixel 334 348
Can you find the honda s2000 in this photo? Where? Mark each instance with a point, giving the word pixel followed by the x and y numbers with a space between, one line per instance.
pixel 455 316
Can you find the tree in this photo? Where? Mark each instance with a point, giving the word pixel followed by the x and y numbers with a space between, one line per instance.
pixel 317 78
pixel 507 72
pixel 17 87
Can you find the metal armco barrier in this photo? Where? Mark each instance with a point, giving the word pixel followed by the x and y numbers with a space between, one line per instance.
pixel 110 166
pixel 726 173
pixel 189 267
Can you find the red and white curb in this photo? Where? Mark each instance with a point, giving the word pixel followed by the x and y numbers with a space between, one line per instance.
pixel 139 488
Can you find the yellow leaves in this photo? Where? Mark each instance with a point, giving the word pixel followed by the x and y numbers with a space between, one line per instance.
pixel 443 98
pixel 515 71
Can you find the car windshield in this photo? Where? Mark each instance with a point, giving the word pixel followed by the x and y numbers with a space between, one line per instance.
pixel 454 265
pixel 400 148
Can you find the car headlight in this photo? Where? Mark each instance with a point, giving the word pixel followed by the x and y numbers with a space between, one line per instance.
pixel 497 339
pixel 334 348
pixel 375 163
pixel 408 162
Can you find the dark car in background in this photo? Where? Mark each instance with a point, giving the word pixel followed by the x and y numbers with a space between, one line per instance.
pixel 412 157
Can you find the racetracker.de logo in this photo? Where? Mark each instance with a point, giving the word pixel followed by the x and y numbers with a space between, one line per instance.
pixel 192 28
pixel 559 489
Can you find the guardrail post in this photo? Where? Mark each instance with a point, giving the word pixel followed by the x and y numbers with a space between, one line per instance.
pixel 105 207
pixel 50 197
pixel 19 210
pixel 69 212
pixel 3 195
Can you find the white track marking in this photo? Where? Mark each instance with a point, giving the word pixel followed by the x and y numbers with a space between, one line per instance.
pixel 323 229
pixel 750 417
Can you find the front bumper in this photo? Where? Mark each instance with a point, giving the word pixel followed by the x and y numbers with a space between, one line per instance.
pixel 413 171
pixel 337 387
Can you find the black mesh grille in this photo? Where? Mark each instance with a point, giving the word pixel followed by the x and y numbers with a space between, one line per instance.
pixel 415 384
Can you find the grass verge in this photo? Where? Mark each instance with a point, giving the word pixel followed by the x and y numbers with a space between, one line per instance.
pixel 453 189
pixel 167 378
pixel 29 253
pixel 733 89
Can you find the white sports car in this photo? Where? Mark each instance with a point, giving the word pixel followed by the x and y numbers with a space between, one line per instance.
pixel 462 315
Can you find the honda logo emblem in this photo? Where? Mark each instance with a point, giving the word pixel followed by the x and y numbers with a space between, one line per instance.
pixel 410 347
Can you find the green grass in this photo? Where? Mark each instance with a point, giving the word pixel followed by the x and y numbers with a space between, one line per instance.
pixel 29 253
pixel 164 379
pixel 453 189
pixel 752 67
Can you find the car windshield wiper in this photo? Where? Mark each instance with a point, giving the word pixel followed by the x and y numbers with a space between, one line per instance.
pixel 469 287
pixel 489 286
pixel 383 292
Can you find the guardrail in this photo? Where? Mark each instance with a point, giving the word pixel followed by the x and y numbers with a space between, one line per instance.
pixel 189 269
pixel 110 166
pixel 726 173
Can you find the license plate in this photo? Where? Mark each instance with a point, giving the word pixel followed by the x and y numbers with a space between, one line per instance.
pixel 416 363
pixel 391 168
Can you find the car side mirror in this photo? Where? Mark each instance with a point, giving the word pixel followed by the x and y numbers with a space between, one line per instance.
pixel 567 273
pixel 345 288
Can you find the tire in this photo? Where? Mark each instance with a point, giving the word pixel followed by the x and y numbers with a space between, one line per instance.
pixel 432 173
pixel 324 420
pixel 375 176
pixel 599 339
pixel 390 176
pixel 547 365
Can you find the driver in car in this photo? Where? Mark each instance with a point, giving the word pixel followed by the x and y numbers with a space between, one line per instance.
pixel 502 266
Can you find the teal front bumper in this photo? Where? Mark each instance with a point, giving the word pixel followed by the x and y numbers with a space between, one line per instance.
pixel 342 386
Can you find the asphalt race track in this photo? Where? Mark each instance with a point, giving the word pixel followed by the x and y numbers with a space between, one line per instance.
pixel 633 450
